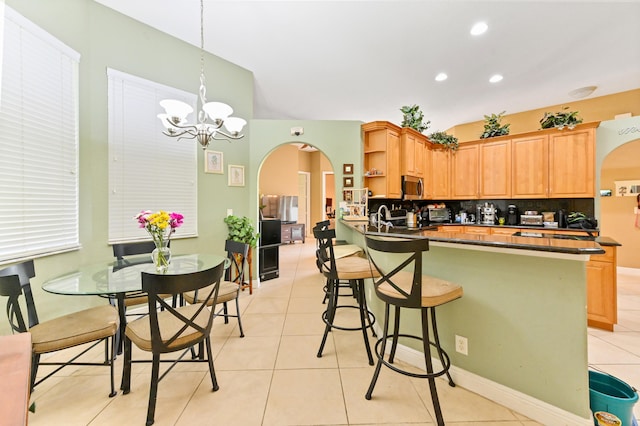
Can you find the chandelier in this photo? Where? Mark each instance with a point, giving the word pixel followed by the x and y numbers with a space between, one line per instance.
pixel 176 112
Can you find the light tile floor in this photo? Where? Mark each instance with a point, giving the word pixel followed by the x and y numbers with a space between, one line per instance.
pixel 273 377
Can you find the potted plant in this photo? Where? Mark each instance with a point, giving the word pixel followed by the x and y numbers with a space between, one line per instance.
pixel 442 138
pixel 412 117
pixel 241 229
pixel 560 119
pixel 493 127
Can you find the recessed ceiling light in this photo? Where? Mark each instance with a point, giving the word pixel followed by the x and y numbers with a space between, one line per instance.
pixel 495 78
pixel 582 92
pixel 479 28
pixel 441 77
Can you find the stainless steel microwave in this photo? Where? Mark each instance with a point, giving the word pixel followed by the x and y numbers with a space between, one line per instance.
pixel 412 188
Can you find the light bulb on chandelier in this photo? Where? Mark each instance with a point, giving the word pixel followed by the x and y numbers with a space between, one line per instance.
pixel 176 112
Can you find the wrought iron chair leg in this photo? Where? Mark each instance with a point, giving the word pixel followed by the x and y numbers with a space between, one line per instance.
pixel 426 347
pixel 239 319
pixel 212 372
pixel 329 314
pixel 436 339
pixel 380 355
pixel 359 285
pixel 153 392
pixel 396 331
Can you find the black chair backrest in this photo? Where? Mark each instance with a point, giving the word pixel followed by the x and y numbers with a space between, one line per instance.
pixel 158 286
pixel 129 249
pixel 24 272
pixel 378 250
pixel 10 286
pixel 237 253
pixel 324 254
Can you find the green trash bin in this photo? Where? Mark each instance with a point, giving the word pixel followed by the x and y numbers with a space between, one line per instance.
pixel 610 394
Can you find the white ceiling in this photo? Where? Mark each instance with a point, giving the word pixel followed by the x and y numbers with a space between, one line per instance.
pixel 363 60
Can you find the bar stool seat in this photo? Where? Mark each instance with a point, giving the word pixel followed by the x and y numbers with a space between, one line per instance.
pixel 403 285
pixel 350 271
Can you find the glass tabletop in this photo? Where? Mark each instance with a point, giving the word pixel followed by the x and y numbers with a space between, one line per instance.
pixel 114 277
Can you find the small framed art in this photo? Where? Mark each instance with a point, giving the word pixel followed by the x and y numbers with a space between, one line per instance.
pixel 347 169
pixel 347 182
pixel 213 162
pixel 236 175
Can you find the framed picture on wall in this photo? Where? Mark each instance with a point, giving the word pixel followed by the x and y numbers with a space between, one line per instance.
pixel 347 182
pixel 213 162
pixel 236 175
pixel 347 169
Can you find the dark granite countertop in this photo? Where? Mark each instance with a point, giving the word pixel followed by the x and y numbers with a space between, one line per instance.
pixel 537 241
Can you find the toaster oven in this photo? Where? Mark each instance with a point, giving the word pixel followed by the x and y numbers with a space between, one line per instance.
pixel 439 215
pixel 531 219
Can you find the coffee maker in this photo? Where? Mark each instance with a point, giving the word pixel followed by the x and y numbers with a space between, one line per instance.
pixel 512 215
pixel 489 214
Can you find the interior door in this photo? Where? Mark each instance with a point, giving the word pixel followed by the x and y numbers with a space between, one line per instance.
pixel 303 199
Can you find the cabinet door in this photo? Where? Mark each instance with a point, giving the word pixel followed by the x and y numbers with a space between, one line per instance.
pixel 408 148
pixel 479 230
pixel 504 231
pixel 428 178
pixel 440 173
pixel 529 167
pixel 601 297
pixel 464 172
pixel 394 178
pixel 495 170
pixel 572 164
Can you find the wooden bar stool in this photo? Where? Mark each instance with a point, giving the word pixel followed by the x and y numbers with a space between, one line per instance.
pixel 352 270
pixel 404 286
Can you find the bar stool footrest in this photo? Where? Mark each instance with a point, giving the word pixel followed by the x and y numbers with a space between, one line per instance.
pixel 372 319
pixel 439 373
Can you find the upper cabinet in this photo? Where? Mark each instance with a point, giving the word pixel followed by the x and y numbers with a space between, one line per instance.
pixel 529 167
pixel 495 170
pixel 412 150
pixel 465 172
pixel 438 185
pixel 572 164
pixel 382 159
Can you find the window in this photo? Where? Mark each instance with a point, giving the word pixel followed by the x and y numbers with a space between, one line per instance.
pixel 38 142
pixel 147 170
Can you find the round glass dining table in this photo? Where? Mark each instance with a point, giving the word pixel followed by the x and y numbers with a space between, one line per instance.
pixel 115 279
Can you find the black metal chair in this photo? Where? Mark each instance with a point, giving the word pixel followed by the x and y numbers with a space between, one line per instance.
pixel 404 285
pixel 352 270
pixel 96 324
pixel 232 284
pixel 173 329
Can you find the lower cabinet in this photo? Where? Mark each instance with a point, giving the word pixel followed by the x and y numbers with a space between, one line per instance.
pixel 292 232
pixel 602 287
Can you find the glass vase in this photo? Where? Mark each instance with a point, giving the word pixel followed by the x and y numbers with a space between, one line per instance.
pixel 161 256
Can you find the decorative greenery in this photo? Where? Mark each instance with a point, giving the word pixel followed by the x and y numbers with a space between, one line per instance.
pixel 412 117
pixel 492 126
pixel 442 138
pixel 560 119
pixel 241 230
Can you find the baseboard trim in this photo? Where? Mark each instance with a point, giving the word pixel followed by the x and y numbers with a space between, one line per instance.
pixel 533 408
pixel 628 271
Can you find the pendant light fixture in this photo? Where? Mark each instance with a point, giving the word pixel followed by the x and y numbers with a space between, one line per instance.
pixel 211 115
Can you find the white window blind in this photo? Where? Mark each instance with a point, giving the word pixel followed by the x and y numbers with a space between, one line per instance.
pixel 147 170
pixel 38 142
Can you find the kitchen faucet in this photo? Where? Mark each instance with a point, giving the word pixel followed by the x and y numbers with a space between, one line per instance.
pixel 381 219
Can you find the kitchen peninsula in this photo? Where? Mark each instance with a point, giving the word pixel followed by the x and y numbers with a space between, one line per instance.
pixel 523 312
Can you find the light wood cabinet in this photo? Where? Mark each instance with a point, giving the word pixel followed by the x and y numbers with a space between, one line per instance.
pixel 602 301
pixel 495 170
pixel 504 231
pixel 382 154
pixel 412 147
pixel 440 173
pixel 478 230
pixel 428 178
pixel 464 172
pixel 530 167
pixel 572 164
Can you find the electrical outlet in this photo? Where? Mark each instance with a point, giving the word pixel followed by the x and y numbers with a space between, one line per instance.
pixel 462 345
